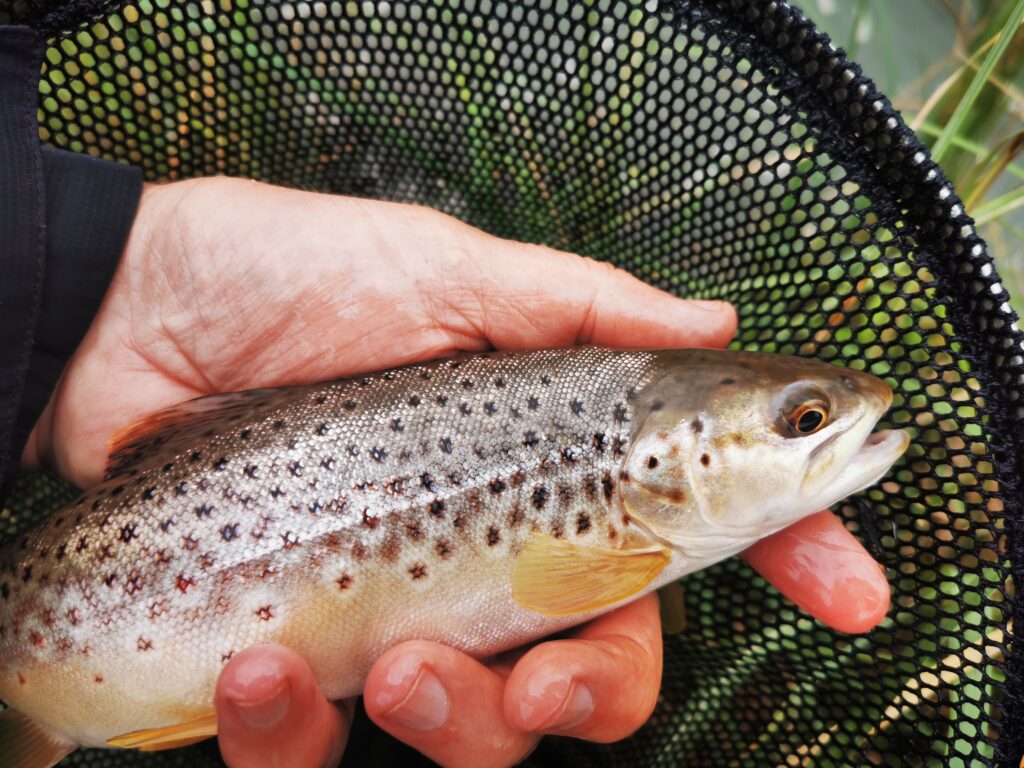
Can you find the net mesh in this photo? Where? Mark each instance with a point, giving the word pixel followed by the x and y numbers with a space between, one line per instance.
pixel 717 150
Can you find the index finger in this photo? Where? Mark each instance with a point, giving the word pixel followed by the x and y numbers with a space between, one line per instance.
pixel 821 567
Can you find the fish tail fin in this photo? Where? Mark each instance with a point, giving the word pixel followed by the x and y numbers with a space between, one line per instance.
pixel 26 744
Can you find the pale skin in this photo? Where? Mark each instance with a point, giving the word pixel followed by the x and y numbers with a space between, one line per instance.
pixel 227 285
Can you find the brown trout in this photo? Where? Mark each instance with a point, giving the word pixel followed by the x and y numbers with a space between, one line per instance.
pixel 482 502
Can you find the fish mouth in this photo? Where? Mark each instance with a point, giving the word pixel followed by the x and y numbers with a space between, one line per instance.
pixel 878 453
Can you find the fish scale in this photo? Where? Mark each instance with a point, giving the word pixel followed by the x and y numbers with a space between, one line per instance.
pixel 481 502
pixel 397 481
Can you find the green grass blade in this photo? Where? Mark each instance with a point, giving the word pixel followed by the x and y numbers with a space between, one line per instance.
pixel 945 139
pixel 999 206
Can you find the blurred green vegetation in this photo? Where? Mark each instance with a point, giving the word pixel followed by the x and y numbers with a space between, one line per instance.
pixel 927 74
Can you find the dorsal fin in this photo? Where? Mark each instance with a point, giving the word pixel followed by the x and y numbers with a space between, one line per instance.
pixel 173 429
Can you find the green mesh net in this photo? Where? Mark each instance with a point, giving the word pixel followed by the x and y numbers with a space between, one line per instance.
pixel 717 150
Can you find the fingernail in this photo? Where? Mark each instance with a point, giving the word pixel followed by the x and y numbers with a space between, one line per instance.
pixel 424 708
pixel 556 705
pixel 579 706
pixel 266 711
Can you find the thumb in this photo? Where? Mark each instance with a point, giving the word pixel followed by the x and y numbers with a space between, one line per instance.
pixel 270 712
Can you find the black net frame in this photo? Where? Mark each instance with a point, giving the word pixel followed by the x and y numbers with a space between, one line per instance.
pixel 893 277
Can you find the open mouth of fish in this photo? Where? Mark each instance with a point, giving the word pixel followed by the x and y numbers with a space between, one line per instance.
pixel 873 459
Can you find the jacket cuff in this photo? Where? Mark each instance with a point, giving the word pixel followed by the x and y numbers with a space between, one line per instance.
pixel 90 206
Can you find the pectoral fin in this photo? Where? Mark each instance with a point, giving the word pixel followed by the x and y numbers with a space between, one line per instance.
pixel 558 578
pixel 170 736
pixel 24 744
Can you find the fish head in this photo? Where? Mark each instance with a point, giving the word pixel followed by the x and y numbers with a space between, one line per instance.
pixel 729 447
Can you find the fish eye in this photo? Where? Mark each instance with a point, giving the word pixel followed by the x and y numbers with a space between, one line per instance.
pixel 808 417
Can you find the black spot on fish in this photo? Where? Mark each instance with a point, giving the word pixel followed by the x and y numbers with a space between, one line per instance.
pixel 181 489
pixel 167 467
pixel 396 425
pixel 620 414
pixel 464 409
pixel 148 494
pixel 203 511
pixel 443 548
pixel 441 400
pixel 498 485
pixel 428 482
pixel 570 453
pixel 618 446
pixel 251 470
pixel 467 383
pixel 445 444
pixel 499 382
pixel 278 425
pixel 62 551
pixel 727 381
pixel 576 406
pixel 437 508
pixel 540 496
pixel 117 491
pixel 545 380
pixel 110 579
pixel 600 442
pixel 189 542
pixel 582 523
pixel 516 414
pixel 705 459
pixel 245 434
pixel 328 463
pixel 295 469
pixel 321 399
pixel 95 505
pixel 289 539
pixel 607 486
pixel 276 492
pixel 455 479
pixel 349 405
pixel 455 364
pixel 532 403
pixel 353 450
pixel 414 401
pixel 493 536
pixel 590 487
pixel 220 463
pixel 195 456
pixel 481 451
pixel 566 493
pixel 378 454
pixel 418 571
pixel 322 430
pixel 652 462
pixel 490 408
pixel 413 530
pixel 697 426
pixel 128 532
pixel 425 375
pixel 530 439
pixel 229 532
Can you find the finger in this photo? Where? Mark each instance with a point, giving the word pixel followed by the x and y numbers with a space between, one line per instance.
pixel 821 567
pixel 526 296
pixel 601 686
pixel 270 712
pixel 444 704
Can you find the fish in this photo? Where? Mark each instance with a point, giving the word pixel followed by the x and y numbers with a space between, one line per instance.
pixel 482 501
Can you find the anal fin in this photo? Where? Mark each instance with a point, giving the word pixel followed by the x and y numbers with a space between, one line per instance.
pixel 25 744
pixel 169 736
pixel 558 578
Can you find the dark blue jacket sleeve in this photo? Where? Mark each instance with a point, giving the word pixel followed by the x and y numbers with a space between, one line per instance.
pixel 64 220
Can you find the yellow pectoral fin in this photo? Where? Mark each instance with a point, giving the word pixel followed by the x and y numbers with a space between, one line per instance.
pixel 170 736
pixel 558 578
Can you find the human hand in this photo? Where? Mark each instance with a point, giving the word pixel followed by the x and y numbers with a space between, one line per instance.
pixel 228 285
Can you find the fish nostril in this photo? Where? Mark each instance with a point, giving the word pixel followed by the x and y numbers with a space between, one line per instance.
pixel 652 462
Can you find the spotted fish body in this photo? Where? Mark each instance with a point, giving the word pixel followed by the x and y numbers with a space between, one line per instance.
pixel 340 519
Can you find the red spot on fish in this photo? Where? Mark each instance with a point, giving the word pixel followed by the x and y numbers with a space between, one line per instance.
pixel 74 617
pixel 48 617
pixel 185 583
pixel 344 581
pixel 265 613
pixel 98 679
pixel 21 678
pixel 226 657
pixel 144 644
pixel 37 639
